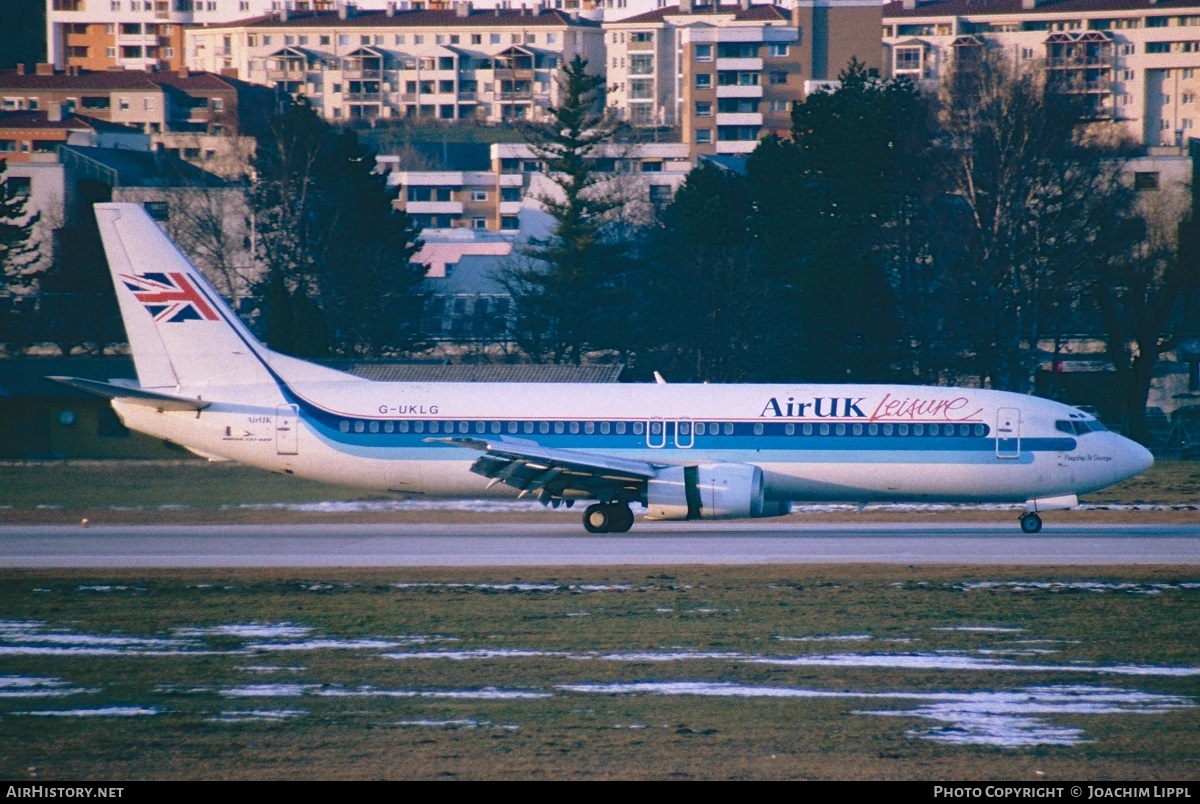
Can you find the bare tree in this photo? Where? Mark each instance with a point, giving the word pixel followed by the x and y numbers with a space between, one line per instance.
pixel 1031 192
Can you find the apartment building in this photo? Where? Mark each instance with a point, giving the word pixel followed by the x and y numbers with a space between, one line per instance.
pixel 460 64
pixel 727 75
pixel 493 201
pixel 202 117
pixel 1133 61
pixel 141 34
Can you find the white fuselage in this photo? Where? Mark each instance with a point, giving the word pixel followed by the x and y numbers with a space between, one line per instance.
pixel 854 443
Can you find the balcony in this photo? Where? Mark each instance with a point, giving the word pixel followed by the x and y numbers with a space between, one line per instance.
pixel 515 95
pixel 509 207
pixel 287 74
pixel 505 74
pixel 467 96
pixel 744 65
pixel 434 207
pixel 369 97
pixel 370 75
pixel 736 146
pixel 740 92
pixel 739 119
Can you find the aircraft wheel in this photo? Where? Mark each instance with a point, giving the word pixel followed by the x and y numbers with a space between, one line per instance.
pixel 597 518
pixel 1031 523
pixel 622 519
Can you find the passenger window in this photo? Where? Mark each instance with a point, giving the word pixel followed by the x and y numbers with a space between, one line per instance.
pixel 512 427
pixel 727 428
pixel 436 427
pixel 758 428
pixel 528 427
pixel 388 427
pixel 374 427
pixel 808 429
pixel 464 427
pixel 902 429
pixel 495 427
pixel 918 429
pixel 933 429
pixel 887 429
pixel 656 428
pixel 543 427
pixel 856 429
pixel 620 428
pixel 637 428
pixel 574 428
pixel 684 428
pixel 559 428
pixel 700 428
pixel 402 427
pixel 872 429
pixel 418 427
pixel 824 429
pixel 840 429
pixel 789 428
pixel 604 428
pixel 980 430
pixel 589 427
pixel 344 426
pixel 358 427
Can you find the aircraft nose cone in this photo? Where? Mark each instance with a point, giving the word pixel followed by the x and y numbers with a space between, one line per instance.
pixel 1135 458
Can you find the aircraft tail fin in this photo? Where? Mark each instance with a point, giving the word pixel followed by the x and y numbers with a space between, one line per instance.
pixel 181 333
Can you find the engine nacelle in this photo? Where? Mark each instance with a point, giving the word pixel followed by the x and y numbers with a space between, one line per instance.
pixel 710 491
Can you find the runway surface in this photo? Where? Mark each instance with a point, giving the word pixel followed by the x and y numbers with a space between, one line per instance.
pixel 525 545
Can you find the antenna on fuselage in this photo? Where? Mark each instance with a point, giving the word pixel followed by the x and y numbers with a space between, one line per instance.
pixel 658 378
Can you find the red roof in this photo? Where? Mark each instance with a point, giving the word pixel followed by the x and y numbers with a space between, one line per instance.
pixel 111 81
pixel 478 18
pixel 980 8
pixel 760 13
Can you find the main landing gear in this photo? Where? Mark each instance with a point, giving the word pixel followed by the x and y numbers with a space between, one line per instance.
pixel 1031 522
pixel 607 518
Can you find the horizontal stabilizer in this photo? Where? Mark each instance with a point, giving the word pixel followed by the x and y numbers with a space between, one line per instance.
pixel 136 396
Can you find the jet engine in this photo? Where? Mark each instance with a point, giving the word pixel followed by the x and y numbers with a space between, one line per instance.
pixel 709 491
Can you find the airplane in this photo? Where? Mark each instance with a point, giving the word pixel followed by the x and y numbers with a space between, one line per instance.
pixel 681 451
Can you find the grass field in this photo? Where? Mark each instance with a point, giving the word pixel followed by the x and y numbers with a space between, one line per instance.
pixel 198 491
pixel 689 673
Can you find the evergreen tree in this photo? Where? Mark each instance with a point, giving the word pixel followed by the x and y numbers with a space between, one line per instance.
pixel 19 261
pixel 339 277
pixel 568 294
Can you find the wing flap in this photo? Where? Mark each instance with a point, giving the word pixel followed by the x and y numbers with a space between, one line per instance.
pixel 532 468
pixel 136 396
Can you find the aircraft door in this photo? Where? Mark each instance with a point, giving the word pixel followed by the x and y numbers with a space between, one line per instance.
pixel 1008 433
pixel 287 430
pixel 684 434
pixel 656 434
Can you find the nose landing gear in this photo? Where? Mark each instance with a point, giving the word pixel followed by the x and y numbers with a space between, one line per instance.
pixel 607 518
pixel 1031 522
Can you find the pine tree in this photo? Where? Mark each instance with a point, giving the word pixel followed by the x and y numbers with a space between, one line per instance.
pixel 20 261
pixel 567 295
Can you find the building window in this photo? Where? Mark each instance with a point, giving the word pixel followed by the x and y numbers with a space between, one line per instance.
pixel 703 136
pixel 703 109
pixel 478 223
pixel 704 52
pixel 641 36
pixel 158 210
pixel 641 64
pixel 1158 47
pixel 509 222
pixel 779 105
pixel 778 51
pixel 778 77
pixel 703 80
pixel 479 195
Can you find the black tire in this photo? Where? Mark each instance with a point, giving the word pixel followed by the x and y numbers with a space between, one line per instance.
pixel 622 519
pixel 1031 523
pixel 597 518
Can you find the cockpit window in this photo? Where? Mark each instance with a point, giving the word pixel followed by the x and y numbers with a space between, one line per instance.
pixel 1078 426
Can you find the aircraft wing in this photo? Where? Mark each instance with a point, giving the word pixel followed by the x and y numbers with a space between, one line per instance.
pixel 137 396
pixel 534 469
